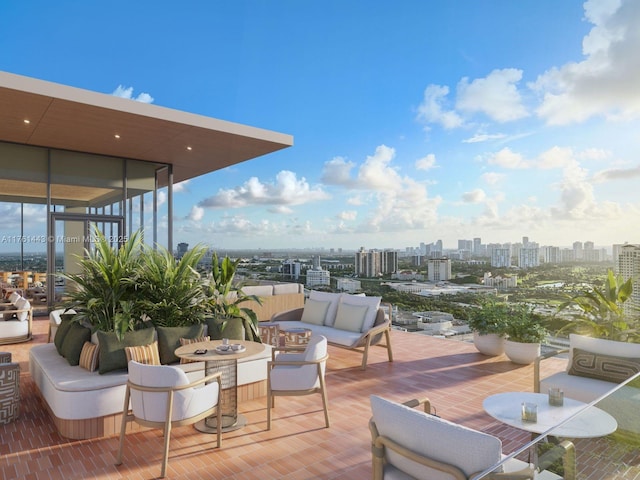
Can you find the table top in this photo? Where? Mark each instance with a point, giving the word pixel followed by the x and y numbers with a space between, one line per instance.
pixel 186 351
pixel 592 422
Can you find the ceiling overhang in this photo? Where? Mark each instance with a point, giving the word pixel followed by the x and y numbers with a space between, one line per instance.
pixel 69 118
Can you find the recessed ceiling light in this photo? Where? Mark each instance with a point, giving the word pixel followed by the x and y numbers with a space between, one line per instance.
pixel 117 136
pixel 189 148
pixel 27 121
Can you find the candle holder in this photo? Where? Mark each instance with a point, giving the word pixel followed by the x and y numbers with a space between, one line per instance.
pixel 556 397
pixel 529 412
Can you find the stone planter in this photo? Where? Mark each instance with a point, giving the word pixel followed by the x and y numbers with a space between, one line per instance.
pixel 489 344
pixel 521 353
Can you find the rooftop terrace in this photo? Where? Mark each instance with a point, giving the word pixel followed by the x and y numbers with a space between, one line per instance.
pixel 451 373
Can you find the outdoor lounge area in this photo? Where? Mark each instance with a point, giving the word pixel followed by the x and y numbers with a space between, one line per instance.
pixel 452 374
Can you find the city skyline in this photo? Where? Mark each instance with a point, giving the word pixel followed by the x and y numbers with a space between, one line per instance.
pixel 412 122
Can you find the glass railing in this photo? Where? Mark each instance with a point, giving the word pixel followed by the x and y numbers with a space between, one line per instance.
pixel 575 440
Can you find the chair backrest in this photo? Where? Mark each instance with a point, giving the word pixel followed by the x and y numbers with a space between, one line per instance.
pixel 23 304
pixel 152 406
pixel 315 350
pixel 469 450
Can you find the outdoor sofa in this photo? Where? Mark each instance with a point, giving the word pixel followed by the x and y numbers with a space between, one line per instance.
pixel 354 322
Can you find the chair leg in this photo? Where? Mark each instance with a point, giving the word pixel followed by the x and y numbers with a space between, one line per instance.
pixel 123 427
pixel 269 407
pixel 165 455
pixel 325 401
pixel 387 334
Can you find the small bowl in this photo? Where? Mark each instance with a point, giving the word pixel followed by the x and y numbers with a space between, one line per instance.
pixel 236 347
pixel 223 347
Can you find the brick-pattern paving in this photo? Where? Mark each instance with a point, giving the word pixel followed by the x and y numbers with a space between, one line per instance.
pixel 452 374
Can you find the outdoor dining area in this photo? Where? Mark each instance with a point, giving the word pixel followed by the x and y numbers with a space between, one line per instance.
pixel 452 375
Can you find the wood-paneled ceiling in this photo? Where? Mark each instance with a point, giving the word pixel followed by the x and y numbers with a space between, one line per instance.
pixel 69 118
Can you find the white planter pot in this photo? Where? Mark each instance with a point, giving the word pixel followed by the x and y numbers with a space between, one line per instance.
pixel 489 344
pixel 522 353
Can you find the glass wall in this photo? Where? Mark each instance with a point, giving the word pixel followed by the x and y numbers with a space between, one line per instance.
pixel 51 199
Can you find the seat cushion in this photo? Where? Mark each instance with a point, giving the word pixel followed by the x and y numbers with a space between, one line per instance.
pixel 315 311
pixel 469 450
pixel 73 342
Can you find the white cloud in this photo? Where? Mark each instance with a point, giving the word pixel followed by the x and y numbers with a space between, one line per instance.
pixel 484 137
pixel 555 157
pixel 508 159
pixel 281 209
pixel 357 200
pixel 496 95
pixel 196 214
pixel 492 178
pixel 375 173
pixel 337 171
pixel 431 109
pixel 426 163
pixel 474 196
pixel 287 190
pixel 127 92
pixel 181 187
pixel 616 174
pixel 348 215
pixel 606 81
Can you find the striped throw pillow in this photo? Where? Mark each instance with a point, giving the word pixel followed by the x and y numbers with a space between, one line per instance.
pixel 89 356
pixel 188 341
pixel 147 354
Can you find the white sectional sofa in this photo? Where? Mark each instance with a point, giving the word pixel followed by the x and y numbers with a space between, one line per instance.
pixel 594 367
pixel 86 404
pixel 354 322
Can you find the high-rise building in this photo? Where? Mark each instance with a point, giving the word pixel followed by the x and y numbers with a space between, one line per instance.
pixel 629 267
pixel 577 250
pixel 439 269
pixel 182 249
pixel 501 257
pixel 529 256
pixel 373 263
pixel 477 246
pixel 551 254
pixel 291 270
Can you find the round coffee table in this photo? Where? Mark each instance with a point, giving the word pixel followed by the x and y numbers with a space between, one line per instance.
pixel 590 423
pixel 227 363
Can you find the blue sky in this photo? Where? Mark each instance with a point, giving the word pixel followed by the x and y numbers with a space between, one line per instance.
pixel 413 121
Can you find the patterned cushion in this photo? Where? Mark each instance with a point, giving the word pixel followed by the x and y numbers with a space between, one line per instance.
pixel 188 341
pixel 145 354
pixel 270 333
pixel 89 356
pixel 603 367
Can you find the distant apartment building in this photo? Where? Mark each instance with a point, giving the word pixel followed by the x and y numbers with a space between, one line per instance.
pixel 551 254
pixel 577 250
pixel 182 249
pixel 348 285
pixel 373 263
pixel 500 282
pixel 529 256
pixel 567 255
pixel 501 257
pixel 479 250
pixel 317 277
pixel 629 267
pixel 291 270
pixel 439 269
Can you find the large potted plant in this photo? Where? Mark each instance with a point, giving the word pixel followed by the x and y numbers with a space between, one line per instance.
pixel 102 294
pixel 488 324
pixel 228 318
pixel 525 333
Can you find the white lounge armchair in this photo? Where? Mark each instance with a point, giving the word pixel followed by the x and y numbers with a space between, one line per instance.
pixel 162 397
pixel 410 444
pixel 302 373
